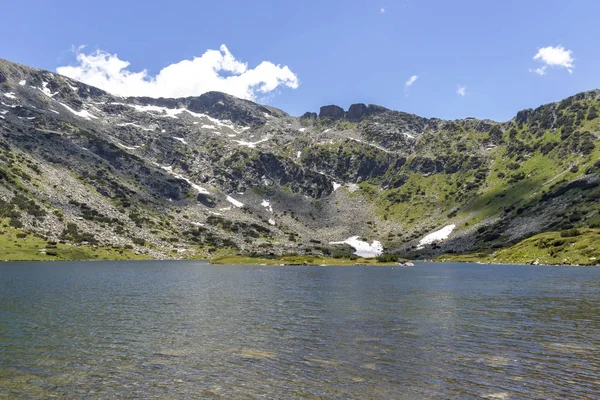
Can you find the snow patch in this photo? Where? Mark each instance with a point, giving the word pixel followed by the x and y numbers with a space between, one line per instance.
pixel 436 236
pixel 267 204
pixel 271 221
pixel 250 144
pixel 23 82
pixel 73 88
pixel 298 154
pixel 327 130
pixel 208 127
pixel 182 140
pixel 301 129
pixel 336 186
pixel 10 95
pixel 2 112
pixel 127 147
pixel 199 188
pixel 363 249
pixel 47 91
pixel 236 203
pixel 54 111
pixel 83 113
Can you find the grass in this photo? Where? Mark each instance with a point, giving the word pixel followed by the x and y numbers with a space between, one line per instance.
pixel 295 260
pixel 550 248
pixel 15 247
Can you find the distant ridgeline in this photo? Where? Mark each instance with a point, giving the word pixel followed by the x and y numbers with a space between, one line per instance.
pixel 85 174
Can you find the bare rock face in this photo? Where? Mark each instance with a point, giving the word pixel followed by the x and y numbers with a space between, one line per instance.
pixel 332 112
pixel 311 116
pixel 356 112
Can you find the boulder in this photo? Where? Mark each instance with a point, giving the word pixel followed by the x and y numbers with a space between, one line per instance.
pixel 207 200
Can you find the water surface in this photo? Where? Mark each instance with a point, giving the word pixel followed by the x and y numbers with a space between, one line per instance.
pixel 192 330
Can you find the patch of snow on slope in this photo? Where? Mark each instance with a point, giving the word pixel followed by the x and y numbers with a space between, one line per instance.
pixel 336 186
pixel 47 91
pixel 127 147
pixel 83 113
pixel 54 111
pixel 182 140
pixel 73 88
pixel 199 188
pixel 250 144
pixel 271 221
pixel 10 95
pixel 363 249
pixel 208 127
pixel 236 203
pixel 408 135
pixel 298 154
pixel 23 82
pixel 267 204
pixel 436 236
pixel 170 112
pixel 327 130
pixel 301 129
pixel 3 112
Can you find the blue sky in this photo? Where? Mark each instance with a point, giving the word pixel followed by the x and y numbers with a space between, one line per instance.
pixel 337 52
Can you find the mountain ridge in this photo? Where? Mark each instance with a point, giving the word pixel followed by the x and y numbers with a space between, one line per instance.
pixel 189 177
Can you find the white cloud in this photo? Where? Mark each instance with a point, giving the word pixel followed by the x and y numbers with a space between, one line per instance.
pixel 409 83
pixel 461 90
pixel 382 10
pixel 216 70
pixel 411 80
pixel 554 57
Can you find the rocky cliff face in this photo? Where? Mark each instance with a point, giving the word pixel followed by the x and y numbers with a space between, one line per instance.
pixel 193 176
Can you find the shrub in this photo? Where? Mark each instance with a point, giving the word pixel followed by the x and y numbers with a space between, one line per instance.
pixel 570 233
pixel 387 258
pixel 15 223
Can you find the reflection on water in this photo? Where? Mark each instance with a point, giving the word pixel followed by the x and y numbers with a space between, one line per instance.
pixel 191 330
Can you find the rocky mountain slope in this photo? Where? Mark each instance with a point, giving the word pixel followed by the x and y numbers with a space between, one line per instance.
pixel 201 176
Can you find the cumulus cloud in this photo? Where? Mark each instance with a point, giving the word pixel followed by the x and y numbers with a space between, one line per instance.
pixel 382 10
pixel 216 70
pixel 461 90
pixel 409 83
pixel 554 57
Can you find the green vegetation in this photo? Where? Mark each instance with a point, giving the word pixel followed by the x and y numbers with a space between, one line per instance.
pixel 297 260
pixel 16 245
pixel 570 247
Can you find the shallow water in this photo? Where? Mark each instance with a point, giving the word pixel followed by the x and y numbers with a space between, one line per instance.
pixel 192 330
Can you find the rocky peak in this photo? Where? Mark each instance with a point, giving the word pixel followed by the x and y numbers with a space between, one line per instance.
pixel 356 112
pixel 309 116
pixel 332 112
